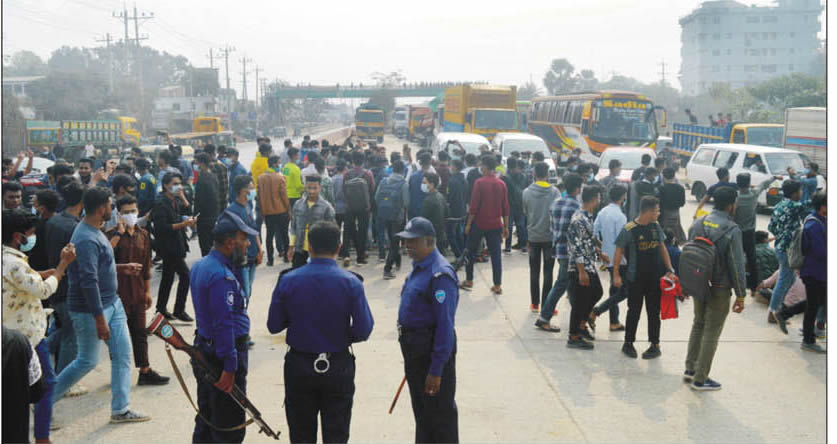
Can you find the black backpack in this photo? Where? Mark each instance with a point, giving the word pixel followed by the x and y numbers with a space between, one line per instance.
pixel 697 261
pixel 356 192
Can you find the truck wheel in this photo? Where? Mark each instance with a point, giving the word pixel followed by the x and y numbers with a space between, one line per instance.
pixel 699 190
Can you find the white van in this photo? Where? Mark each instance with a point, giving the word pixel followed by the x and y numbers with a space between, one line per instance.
pixel 470 142
pixel 507 143
pixel 760 161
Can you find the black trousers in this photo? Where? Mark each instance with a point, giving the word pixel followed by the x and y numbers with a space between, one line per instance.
pixel 646 287
pixel 357 228
pixel 540 253
pixel 437 418
pixel 346 245
pixel 205 238
pixel 748 238
pixel 172 266
pixel 300 258
pixel 277 227
pixel 309 395
pixel 216 406
pixel 585 298
pixel 815 292
pixel 394 253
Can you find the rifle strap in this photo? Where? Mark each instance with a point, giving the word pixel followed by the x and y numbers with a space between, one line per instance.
pixel 189 397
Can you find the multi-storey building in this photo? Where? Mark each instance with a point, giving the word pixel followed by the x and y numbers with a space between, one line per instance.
pixel 728 42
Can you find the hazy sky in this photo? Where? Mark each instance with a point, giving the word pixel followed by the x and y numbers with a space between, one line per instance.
pixel 326 42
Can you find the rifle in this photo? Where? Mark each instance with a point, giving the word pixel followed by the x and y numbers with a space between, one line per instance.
pixel 161 328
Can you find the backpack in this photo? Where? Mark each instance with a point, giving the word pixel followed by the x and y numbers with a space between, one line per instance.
pixel 390 200
pixel 795 255
pixel 697 262
pixel 356 194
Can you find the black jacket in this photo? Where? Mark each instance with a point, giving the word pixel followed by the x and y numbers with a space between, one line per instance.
pixel 206 199
pixel 170 242
pixel 457 192
pixel 473 175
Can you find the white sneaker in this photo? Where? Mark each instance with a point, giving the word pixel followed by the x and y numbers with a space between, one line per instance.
pixel 129 416
pixel 76 390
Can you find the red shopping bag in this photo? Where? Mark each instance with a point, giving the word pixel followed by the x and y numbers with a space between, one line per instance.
pixel 671 291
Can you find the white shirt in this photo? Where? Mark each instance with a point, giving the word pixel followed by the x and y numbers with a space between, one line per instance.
pixel 89 150
pixel 23 291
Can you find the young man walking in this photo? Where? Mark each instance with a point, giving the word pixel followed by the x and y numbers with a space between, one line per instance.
pixel 814 271
pixel 537 199
pixel 787 217
pixel 608 225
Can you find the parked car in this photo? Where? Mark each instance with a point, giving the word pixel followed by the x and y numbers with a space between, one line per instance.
pixel 507 143
pixel 631 158
pixel 469 141
pixel 761 162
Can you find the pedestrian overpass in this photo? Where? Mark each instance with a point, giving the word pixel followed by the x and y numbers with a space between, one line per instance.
pixel 356 91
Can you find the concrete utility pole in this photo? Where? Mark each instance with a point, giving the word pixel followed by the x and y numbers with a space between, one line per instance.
pixel 137 55
pixel 244 61
pixel 123 16
pixel 227 50
pixel 211 60
pixel 257 86
pixel 663 72
pixel 110 61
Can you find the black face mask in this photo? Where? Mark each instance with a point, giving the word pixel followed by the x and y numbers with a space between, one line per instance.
pixel 238 257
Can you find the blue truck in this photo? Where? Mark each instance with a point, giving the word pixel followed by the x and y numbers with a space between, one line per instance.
pixel 686 138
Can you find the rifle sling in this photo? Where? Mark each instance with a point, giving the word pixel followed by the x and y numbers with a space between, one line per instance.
pixel 189 397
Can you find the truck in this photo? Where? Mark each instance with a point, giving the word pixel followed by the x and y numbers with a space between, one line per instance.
pixel 73 135
pixel 369 122
pixel 204 130
pixel 419 123
pixel 805 131
pixel 686 138
pixel 481 109
pixel 399 121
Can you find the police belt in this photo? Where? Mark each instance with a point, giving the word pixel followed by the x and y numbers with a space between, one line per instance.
pixel 321 360
pixel 406 331
pixel 240 341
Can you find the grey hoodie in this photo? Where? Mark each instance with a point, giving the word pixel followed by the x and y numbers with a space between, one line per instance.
pixel 537 199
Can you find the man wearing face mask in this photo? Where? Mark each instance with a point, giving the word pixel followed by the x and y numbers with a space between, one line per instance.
pixel 245 195
pixel 23 291
pixel 305 214
pixel 236 169
pixel 45 204
pixel 170 234
pixel 132 249
pixel 96 310
pixel 123 185
pixel 223 328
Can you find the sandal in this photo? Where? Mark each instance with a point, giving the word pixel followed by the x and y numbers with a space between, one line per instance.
pixel 497 290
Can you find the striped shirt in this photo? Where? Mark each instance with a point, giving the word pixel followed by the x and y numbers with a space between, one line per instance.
pixel 562 212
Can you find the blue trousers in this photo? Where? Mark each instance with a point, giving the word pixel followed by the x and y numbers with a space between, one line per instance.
pixel 43 409
pixel 492 239
pixel 456 236
pixel 561 284
pixel 786 279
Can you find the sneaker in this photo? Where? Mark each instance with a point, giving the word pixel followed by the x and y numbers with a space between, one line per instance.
pixel 497 290
pixel 688 376
pixel 166 315
pixel 586 335
pixel 546 326
pixel 398 268
pixel 705 386
pixel 388 275
pixel 347 262
pixel 362 261
pixel 270 262
pixel 251 344
pixel 813 348
pixel 617 327
pixel 782 323
pixel 629 350
pixel 579 343
pixel 129 416
pixel 771 317
pixel 507 251
pixel 535 308
pixel 183 316
pixel 517 246
pixel 467 285
pixel 652 352
pixel 152 378
pixel 524 250
pixel 76 390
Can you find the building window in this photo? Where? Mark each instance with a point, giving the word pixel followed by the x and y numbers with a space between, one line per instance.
pixel 702 36
pixel 702 20
pixel 754 52
pixel 768 68
pixel 752 19
pixel 716 36
pixel 792 35
pixel 764 51
pixel 750 68
pixel 716 19
pixel 175 107
pixel 764 36
pixel 773 51
pixel 716 52
pixel 772 36
pixel 790 67
pixel 729 68
pixel 770 19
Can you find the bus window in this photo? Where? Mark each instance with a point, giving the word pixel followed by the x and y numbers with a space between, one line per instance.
pixel 579 107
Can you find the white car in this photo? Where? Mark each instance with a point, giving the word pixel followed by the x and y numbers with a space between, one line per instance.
pixel 470 142
pixel 631 158
pixel 507 143
pixel 761 162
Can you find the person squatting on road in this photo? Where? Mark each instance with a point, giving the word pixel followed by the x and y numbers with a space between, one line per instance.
pixel 426 318
pixel 223 329
pixel 325 311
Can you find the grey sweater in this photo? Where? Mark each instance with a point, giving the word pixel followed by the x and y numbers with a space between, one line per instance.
pixel 745 208
pixel 537 199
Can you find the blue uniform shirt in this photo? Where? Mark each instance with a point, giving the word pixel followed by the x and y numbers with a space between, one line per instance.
pixel 220 306
pixel 147 190
pixel 432 305
pixel 323 307
pixel 235 171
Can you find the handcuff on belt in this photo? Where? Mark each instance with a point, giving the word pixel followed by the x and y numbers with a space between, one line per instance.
pixel 323 357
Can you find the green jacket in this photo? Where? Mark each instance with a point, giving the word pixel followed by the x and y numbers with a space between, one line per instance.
pixel 433 209
pixel 766 261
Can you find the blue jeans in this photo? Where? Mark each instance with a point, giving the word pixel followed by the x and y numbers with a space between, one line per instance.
pixel 519 221
pixel 561 284
pixel 119 346
pixel 43 409
pixel 62 341
pixel 456 236
pixel 786 279
pixel 248 275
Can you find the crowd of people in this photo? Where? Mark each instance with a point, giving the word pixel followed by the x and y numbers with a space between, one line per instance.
pixel 82 257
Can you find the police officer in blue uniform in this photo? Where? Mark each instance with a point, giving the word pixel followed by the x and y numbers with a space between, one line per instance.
pixel 223 329
pixel 426 333
pixel 325 311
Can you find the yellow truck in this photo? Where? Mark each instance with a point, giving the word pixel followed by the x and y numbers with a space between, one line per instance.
pixel 369 122
pixel 481 109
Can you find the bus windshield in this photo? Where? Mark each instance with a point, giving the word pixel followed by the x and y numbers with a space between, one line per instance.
pixel 496 119
pixel 766 136
pixel 625 120
pixel 369 116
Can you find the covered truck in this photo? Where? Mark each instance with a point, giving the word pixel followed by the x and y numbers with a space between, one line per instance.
pixel 686 138
pixel 805 131
pixel 481 109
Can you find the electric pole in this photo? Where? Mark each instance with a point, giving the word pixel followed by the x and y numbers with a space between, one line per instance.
pixel 244 61
pixel 137 55
pixel 663 72
pixel 211 60
pixel 257 86
pixel 227 50
pixel 110 61
pixel 123 16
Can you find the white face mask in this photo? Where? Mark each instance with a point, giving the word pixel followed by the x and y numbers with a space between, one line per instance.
pixel 424 188
pixel 175 189
pixel 129 219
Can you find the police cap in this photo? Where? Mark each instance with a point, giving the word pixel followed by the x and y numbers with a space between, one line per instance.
pixel 417 227
pixel 229 221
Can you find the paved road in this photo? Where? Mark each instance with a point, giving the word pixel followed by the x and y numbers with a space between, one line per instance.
pixel 514 383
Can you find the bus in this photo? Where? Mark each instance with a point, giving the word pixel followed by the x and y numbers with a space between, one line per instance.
pixel 594 121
